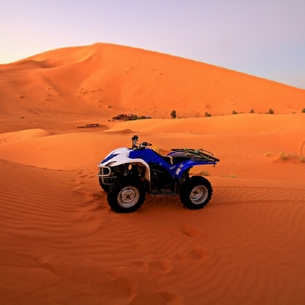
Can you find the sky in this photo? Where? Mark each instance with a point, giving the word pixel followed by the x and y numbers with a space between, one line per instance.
pixel 264 38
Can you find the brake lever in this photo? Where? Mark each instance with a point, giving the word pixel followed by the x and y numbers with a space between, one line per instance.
pixel 145 144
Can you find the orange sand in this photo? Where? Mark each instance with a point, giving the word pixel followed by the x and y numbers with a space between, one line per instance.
pixel 59 241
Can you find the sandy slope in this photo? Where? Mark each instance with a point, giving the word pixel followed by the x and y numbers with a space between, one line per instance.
pixel 108 79
pixel 59 241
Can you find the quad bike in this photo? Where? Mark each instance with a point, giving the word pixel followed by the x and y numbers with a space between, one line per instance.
pixel 128 174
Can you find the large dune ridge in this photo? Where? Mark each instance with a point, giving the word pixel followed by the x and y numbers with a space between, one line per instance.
pixel 59 241
pixel 106 79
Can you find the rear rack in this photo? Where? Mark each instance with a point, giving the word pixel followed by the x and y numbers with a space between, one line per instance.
pixel 197 154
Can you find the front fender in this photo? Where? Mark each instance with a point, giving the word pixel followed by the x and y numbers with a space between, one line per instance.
pixel 138 161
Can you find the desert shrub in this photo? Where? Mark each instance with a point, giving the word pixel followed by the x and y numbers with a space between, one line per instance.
pixel 229 176
pixel 207 114
pixel 269 154
pixel 303 110
pixel 204 173
pixel 252 111
pixel 284 156
pixel 271 111
pixel 174 114
pixel 134 117
pixel 234 112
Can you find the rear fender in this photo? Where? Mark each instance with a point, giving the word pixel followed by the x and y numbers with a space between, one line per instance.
pixel 188 165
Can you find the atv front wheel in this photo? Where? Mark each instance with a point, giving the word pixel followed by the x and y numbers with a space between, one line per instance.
pixel 126 198
pixel 196 192
pixel 102 185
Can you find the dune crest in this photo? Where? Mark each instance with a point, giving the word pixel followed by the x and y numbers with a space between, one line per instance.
pixel 109 79
pixel 22 135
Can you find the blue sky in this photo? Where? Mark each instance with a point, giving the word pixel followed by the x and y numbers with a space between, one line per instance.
pixel 265 38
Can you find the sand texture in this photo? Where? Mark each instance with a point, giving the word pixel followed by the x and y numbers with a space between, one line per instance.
pixel 59 241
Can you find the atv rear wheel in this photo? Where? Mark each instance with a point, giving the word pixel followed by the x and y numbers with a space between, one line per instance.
pixel 196 192
pixel 127 197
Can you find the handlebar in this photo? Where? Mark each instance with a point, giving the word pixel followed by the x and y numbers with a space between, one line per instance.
pixel 134 140
pixel 144 144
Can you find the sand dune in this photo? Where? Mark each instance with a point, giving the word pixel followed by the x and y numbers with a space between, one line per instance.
pixel 109 79
pixel 59 241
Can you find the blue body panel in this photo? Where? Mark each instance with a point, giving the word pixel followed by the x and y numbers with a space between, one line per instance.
pixel 175 170
pixel 150 156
